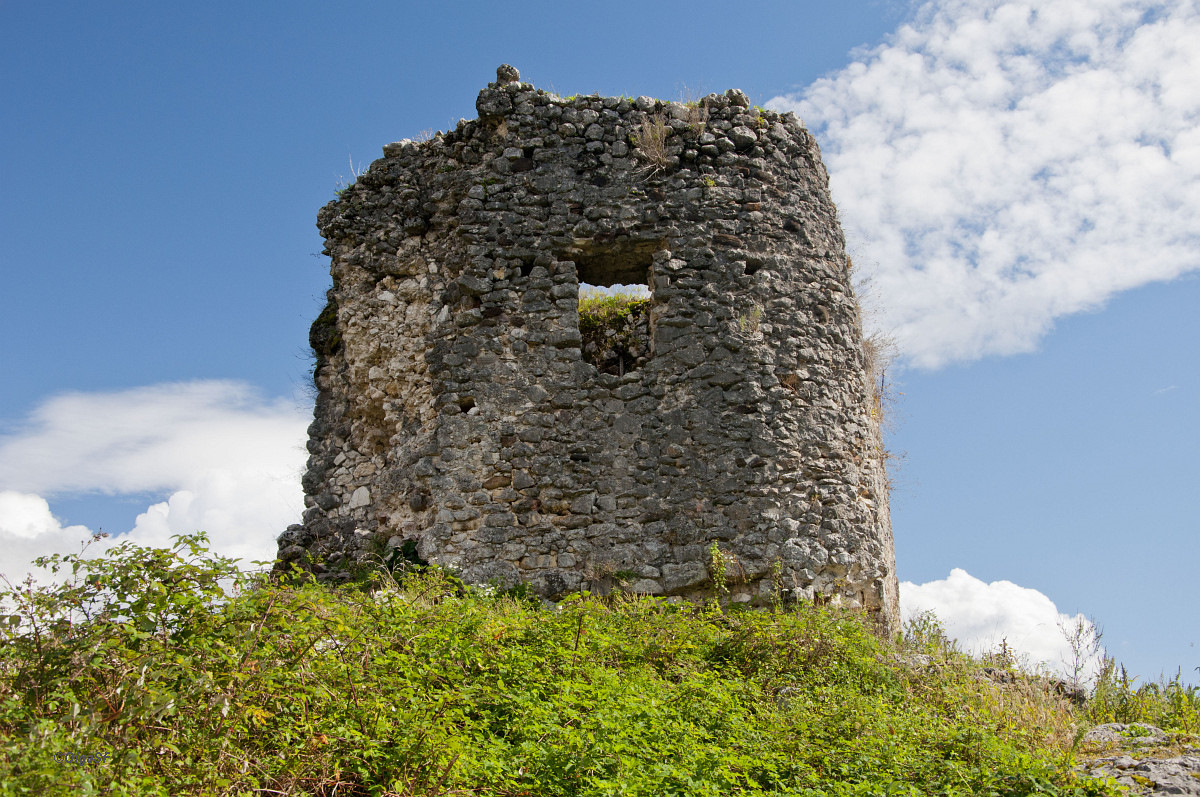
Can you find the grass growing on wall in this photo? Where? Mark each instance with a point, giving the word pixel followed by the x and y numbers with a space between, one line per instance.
pixel 598 310
pixel 174 687
pixel 608 322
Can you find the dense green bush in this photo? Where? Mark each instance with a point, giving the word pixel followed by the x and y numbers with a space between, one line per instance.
pixel 180 675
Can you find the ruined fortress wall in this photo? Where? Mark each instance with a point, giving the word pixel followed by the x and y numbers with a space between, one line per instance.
pixel 456 409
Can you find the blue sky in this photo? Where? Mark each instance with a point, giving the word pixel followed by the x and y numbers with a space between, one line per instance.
pixel 1019 180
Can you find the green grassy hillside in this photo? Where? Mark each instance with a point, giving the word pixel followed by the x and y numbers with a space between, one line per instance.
pixel 168 672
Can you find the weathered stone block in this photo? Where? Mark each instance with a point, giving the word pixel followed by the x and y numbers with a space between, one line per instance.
pixel 679 576
pixel 361 497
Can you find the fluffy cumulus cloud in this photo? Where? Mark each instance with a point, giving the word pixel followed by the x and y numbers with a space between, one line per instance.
pixel 981 616
pixel 28 530
pixel 998 165
pixel 228 461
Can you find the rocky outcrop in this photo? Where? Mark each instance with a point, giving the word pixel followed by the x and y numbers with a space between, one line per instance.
pixel 1134 768
pixel 458 411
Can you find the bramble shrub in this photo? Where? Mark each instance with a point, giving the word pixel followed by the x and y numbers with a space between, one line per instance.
pixel 170 672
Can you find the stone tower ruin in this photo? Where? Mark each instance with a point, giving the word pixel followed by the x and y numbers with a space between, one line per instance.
pixel 460 415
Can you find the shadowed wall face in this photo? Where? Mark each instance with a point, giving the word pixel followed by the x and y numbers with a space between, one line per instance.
pixel 456 410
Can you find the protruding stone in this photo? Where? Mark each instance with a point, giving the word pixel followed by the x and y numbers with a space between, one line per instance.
pixel 738 98
pixel 361 497
pixel 506 73
pixel 742 137
pixel 291 553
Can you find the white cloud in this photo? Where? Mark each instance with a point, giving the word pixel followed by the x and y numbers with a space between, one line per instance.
pixel 27 517
pixel 981 616
pixel 229 461
pixel 999 165
pixel 28 530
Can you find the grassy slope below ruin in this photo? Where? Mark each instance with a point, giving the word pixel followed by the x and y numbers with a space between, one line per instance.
pixel 428 688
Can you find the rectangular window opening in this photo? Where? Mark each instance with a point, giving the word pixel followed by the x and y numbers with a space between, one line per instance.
pixel 614 303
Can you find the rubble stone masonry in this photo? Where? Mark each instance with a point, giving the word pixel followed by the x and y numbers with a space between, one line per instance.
pixel 455 408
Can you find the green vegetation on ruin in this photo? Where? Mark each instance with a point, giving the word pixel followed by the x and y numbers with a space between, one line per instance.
pixel 599 311
pixel 609 323
pixel 200 679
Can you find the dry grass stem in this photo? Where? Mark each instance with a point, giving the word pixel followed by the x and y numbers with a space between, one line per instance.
pixel 650 139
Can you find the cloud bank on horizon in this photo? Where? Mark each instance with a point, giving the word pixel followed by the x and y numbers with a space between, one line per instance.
pixel 999 165
pixel 228 461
